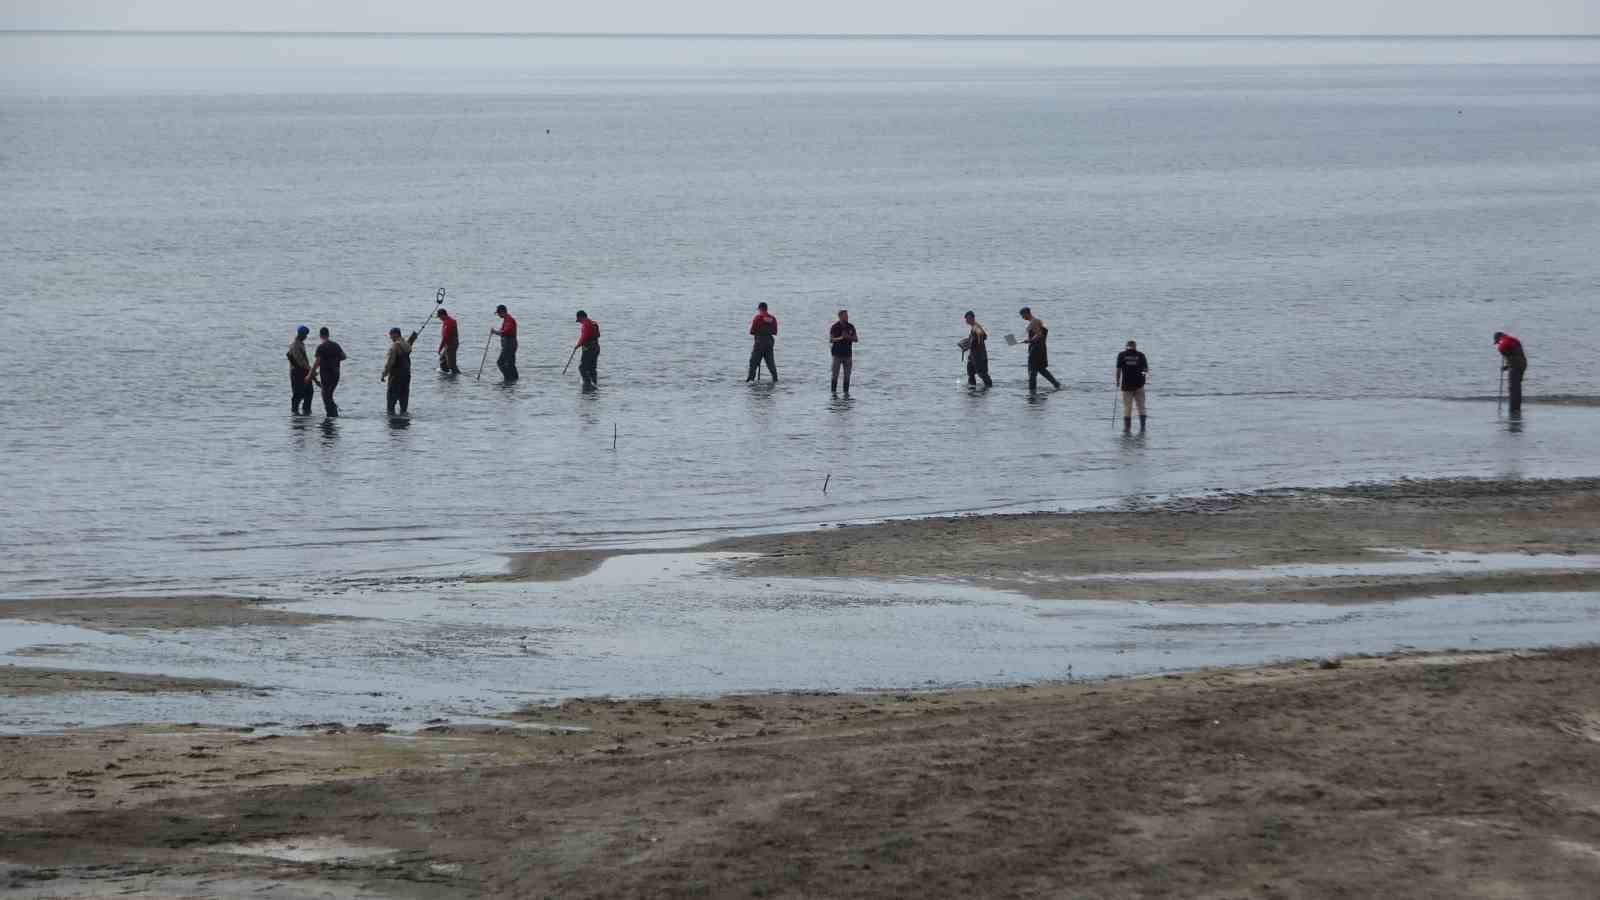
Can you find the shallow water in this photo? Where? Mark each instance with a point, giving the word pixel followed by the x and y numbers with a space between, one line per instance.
pixel 1305 236
pixel 666 625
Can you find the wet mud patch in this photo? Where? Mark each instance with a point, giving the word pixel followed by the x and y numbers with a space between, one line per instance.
pixel 1120 554
pixel 126 615
pixel 23 681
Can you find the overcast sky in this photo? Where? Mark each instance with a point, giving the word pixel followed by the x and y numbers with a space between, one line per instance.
pixel 825 16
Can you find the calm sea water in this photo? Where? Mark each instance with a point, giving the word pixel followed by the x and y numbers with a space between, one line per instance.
pixel 1312 239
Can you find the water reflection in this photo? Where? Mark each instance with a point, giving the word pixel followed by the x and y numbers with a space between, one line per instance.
pixel 330 431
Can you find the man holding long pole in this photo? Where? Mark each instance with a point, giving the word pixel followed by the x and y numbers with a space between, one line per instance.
pixel 764 328
pixel 589 345
pixel 508 343
pixel 1513 362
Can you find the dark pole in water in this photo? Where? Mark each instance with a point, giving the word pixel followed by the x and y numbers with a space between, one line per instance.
pixel 825 482
pixel 569 360
pixel 438 301
pixel 485 354
pixel 613 437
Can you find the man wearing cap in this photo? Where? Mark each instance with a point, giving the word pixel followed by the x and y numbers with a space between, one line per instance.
pixel 329 356
pixel 397 372
pixel 977 347
pixel 764 328
pixel 1132 369
pixel 1514 361
pixel 508 343
pixel 449 340
pixel 589 344
pixel 299 374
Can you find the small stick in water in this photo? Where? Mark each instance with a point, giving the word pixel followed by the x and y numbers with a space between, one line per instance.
pixel 613 437
pixel 825 482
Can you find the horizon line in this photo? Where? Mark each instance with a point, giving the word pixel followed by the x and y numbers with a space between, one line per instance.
pixel 819 35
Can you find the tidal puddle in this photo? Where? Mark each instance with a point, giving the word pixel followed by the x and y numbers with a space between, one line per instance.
pixel 1415 562
pixel 672 624
pixel 318 849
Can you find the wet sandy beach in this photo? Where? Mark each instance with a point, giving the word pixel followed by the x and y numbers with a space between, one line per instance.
pixel 452 738
pixel 1464 775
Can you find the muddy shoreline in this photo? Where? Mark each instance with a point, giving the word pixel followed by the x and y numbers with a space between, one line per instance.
pixel 1443 775
pixel 1405 774
pixel 1086 555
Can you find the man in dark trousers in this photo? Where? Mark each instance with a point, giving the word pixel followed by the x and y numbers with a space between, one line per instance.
pixel 397 372
pixel 328 357
pixel 589 348
pixel 508 343
pixel 842 340
pixel 1132 369
pixel 764 328
pixel 977 347
pixel 1514 362
pixel 449 341
pixel 1038 356
pixel 299 374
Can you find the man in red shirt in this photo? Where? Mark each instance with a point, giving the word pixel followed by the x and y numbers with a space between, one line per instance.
pixel 589 343
pixel 1514 361
pixel 508 343
pixel 449 340
pixel 764 328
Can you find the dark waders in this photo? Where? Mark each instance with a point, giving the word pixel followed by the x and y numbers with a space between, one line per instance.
pixel 447 360
pixel 588 363
pixel 762 353
pixel 300 391
pixel 1039 364
pixel 330 383
pixel 978 365
pixel 507 361
pixel 400 389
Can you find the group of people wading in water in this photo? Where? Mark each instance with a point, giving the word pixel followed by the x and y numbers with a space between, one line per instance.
pixel 321 367
pixel 1131 371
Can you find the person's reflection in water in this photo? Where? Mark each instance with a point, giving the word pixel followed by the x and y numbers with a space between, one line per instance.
pixel 330 431
pixel 1513 422
pixel 399 423
pixel 300 431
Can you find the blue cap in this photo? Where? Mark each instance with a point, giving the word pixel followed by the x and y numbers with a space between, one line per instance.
pixel 302 330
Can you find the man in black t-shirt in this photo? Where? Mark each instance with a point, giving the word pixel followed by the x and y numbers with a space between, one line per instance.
pixel 842 338
pixel 328 357
pixel 1132 369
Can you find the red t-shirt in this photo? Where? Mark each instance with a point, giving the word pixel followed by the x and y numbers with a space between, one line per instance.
pixel 508 326
pixel 588 330
pixel 1507 344
pixel 764 325
pixel 447 332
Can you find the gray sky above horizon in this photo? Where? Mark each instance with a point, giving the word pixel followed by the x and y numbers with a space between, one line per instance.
pixel 822 16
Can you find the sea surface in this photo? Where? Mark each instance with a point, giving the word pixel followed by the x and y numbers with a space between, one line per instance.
pixel 1312 239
